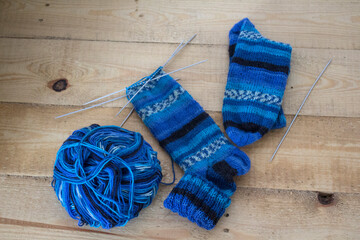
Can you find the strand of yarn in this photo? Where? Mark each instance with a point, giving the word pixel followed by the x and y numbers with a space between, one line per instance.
pixel 104 176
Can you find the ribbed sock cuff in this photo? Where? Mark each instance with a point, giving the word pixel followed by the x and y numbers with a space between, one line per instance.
pixel 199 200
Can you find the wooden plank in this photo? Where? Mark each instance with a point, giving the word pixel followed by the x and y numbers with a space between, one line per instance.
pixel 310 24
pixel 319 154
pixel 253 214
pixel 29 69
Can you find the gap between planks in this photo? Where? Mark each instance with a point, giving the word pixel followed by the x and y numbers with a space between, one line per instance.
pixel 38 64
pixel 313 157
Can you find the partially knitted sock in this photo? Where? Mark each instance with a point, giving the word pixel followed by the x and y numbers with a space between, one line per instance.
pixel 196 143
pixel 257 78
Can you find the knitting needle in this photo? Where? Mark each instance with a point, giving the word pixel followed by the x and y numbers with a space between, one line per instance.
pixel 177 50
pixel 123 122
pixel 132 110
pixel 111 100
pixel 302 104
pixel 96 105
pixel 97 99
pixel 155 79
pixel 173 54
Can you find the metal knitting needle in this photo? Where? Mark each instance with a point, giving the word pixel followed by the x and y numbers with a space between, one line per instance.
pixel 123 122
pixel 96 105
pixel 173 54
pixel 132 110
pixel 108 95
pixel 302 104
pixel 155 79
pixel 97 99
pixel 177 50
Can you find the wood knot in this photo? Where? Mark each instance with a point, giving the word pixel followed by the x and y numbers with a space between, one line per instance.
pixel 325 198
pixel 226 230
pixel 59 85
pixel 47 4
pixel 227 215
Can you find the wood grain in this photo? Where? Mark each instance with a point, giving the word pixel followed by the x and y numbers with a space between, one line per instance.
pixel 56 55
pixel 311 24
pixel 253 214
pixel 319 154
pixel 28 69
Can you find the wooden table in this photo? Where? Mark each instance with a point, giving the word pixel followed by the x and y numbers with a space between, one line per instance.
pixel 56 55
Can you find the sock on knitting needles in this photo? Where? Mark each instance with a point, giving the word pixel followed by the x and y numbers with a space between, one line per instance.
pixel 257 78
pixel 196 143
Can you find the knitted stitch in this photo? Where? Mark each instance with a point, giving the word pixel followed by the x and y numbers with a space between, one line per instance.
pixel 257 78
pixel 196 143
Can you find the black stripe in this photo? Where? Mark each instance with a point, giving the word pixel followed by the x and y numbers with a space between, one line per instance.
pixel 232 50
pixel 185 129
pixel 225 170
pixel 247 127
pixel 199 203
pixel 268 66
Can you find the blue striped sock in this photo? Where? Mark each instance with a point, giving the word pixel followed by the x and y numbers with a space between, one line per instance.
pixel 257 78
pixel 196 143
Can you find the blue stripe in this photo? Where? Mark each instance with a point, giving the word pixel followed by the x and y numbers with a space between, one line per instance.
pixel 241 109
pixel 193 138
pixel 153 99
pixel 196 144
pixel 185 141
pixel 266 43
pixel 257 48
pixel 246 85
pixel 266 107
pixel 164 123
pixel 165 86
pixel 254 75
pixel 262 57
pixel 250 117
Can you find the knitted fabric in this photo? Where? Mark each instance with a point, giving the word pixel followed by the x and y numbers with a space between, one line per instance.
pixel 196 143
pixel 257 78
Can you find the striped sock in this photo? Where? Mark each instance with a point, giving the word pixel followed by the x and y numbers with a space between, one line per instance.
pixel 196 143
pixel 257 78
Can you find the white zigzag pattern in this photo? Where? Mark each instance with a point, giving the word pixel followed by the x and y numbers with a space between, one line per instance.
pixel 250 35
pixel 255 96
pixel 205 152
pixel 157 107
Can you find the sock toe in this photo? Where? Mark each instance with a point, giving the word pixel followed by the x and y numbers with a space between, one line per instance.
pixel 242 138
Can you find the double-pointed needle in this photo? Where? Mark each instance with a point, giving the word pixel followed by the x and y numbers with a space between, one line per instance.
pixel 176 51
pixel 297 113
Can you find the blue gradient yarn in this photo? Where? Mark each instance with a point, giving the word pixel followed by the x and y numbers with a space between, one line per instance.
pixel 258 73
pixel 104 176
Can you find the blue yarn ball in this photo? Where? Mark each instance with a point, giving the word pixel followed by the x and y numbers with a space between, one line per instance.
pixel 104 176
